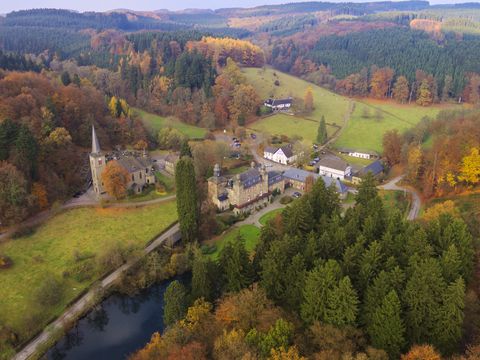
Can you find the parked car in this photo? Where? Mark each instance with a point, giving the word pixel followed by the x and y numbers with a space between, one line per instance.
pixel 234 139
pixel 296 195
pixel 237 144
pixel 315 146
pixel 253 136
pixel 317 159
pixel 312 163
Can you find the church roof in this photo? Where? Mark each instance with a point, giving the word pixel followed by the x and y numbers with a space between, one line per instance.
pixel 95 143
pixel 133 164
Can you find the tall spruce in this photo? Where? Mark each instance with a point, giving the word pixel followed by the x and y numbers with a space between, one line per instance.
pixel 322 135
pixel 235 265
pixel 203 284
pixel 387 330
pixel 187 199
pixel 342 304
pixel 175 303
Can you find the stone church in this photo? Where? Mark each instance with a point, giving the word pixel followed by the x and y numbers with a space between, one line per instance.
pixel 139 167
pixel 245 191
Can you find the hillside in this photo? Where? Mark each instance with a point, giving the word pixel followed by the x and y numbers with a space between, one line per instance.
pixel 361 131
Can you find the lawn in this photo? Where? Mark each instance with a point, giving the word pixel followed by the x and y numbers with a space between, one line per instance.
pixel 352 160
pixel 250 234
pixel 284 124
pixel 167 181
pixel 334 107
pixel 367 133
pixel 51 250
pixel 395 199
pixel 265 218
pixel 155 122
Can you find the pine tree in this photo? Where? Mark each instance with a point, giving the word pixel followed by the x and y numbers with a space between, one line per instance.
pixel 342 304
pixel 203 284
pixel 175 303
pixel 187 199
pixel 451 264
pixel 322 132
pixel 185 150
pixel 294 278
pixel 26 152
pixel 449 317
pixel 235 265
pixel 298 218
pixel 65 77
pixel 387 330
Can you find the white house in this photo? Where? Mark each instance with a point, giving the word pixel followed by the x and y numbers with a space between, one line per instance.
pixel 334 167
pixel 278 104
pixel 358 154
pixel 283 155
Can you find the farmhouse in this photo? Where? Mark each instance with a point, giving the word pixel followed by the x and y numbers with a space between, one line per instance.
pixel 245 191
pixel 138 166
pixel 170 163
pixel 375 168
pixel 296 178
pixel 283 155
pixel 278 104
pixel 358 154
pixel 334 167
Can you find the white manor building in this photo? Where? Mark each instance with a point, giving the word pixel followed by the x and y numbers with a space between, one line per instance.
pixel 334 167
pixel 278 104
pixel 282 155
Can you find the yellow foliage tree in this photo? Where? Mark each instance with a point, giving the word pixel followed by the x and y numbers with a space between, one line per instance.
pixel 446 207
pixel 470 169
pixel 308 99
pixel 40 193
pixel 282 354
pixel 421 352
pixel 115 179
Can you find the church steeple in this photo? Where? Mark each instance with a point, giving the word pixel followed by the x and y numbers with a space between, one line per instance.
pixel 95 143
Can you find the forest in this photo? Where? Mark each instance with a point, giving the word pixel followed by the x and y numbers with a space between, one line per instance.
pixel 366 285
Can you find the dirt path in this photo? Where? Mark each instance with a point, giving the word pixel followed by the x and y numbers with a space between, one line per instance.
pixel 83 304
pixel 416 200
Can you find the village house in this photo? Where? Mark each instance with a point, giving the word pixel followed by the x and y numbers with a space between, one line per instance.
pixel 278 104
pixel 170 163
pixel 375 168
pixel 282 155
pixel 246 191
pixel 358 154
pixel 139 167
pixel 296 178
pixel 334 167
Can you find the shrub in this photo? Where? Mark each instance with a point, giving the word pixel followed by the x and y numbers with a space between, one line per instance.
pixel 208 249
pixel 277 82
pixel 23 231
pixel 286 200
pixel 50 292
pixel 5 262
pixel 83 271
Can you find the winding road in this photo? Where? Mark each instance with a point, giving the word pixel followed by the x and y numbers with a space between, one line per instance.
pixel 416 200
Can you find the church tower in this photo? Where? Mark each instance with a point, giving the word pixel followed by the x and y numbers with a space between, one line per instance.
pixel 97 165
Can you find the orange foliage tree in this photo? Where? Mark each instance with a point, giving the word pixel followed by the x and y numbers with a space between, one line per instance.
pixel 115 179
pixel 421 352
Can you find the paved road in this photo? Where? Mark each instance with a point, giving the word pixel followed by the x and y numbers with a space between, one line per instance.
pixel 85 302
pixel 416 200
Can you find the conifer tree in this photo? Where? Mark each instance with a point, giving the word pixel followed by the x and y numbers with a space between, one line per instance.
pixel 342 304
pixel 451 264
pixel 26 154
pixel 175 303
pixel 187 199
pixel 203 284
pixel 235 265
pixel 387 330
pixel 322 132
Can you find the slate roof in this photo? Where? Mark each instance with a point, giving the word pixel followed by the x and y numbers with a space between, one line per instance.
pixel 172 158
pixel 133 164
pixel 95 143
pixel 287 150
pixel 271 149
pixel 250 178
pixel 375 168
pixel 301 175
pixel 333 163
pixel 277 102
pixel 274 177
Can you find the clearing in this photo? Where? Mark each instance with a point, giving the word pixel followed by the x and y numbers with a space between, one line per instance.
pixel 155 122
pixel 290 125
pixel 250 234
pixel 63 243
pixel 264 219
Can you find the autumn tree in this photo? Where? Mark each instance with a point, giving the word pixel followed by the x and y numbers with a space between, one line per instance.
pixel 244 103
pixel 422 352
pixel 308 100
pixel 401 90
pixel 322 132
pixel 14 198
pixel 115 179
pixel 470 168
pixel 392 147
pixel 380 82
pixel 425 95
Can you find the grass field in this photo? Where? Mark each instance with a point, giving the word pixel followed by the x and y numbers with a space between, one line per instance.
pixel 264 219
pixel 326 103
pixel 360 133
pixel 395 200
pixel 367 133
pixel 250 234
pixel 51 248
pixel 155 122
pixel 284 124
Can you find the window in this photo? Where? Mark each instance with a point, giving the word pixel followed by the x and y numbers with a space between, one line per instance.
pixel 100 161
pixel 133 177
pixel 140 175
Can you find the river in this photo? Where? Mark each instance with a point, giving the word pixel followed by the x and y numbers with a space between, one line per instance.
pixel 117 327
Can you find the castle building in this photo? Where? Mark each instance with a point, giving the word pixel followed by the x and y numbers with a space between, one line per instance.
pixel 246 191
pixel 139 167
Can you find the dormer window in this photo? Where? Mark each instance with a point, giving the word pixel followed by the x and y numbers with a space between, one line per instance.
pixel 100 162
